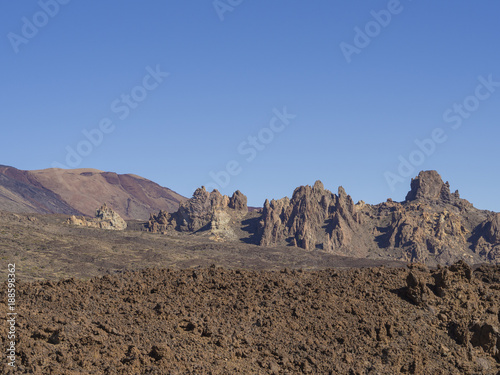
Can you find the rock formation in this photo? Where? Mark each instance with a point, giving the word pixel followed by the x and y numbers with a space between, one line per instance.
pixel 105 218
pixel 431 226
pixel 314 218
pixel 487 238
pixel 428 186
pixel 204 211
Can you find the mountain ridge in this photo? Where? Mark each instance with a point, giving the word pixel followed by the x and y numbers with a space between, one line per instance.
pixel 81 192
pixel 432 225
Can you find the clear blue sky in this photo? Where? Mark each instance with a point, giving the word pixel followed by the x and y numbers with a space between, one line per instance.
pixel 229 72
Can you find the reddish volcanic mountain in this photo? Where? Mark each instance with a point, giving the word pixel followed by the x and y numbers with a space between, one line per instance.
pixel 81 191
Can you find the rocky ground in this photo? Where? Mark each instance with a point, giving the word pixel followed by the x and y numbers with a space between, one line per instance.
pixel 45 247
pixel 376 320
pixel 313 284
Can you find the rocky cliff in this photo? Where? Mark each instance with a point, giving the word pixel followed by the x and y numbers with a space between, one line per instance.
pixel 204 211
pixel 432 225
pixel 314 218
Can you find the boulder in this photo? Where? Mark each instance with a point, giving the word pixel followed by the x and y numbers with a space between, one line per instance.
pixel 105 218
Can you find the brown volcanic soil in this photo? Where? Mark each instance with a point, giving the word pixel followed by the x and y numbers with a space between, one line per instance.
pixel 219 321
pixel 258 313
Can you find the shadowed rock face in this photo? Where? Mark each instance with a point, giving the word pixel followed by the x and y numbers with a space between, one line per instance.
pixel 429 187
pixel 486 238
pixel 238 202
pixel 431 226
pixel 492 229
pixel 313 218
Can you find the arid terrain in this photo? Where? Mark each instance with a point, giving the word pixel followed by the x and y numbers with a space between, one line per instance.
pixel 230 187
pixel 213 320
pixel 96 301
pixel 313 284
pixel 45 247
pixel 433 225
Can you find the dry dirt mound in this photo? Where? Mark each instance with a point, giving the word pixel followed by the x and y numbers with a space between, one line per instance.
pixel 217 321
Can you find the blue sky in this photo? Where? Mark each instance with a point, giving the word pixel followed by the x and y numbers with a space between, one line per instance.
pixel 172 91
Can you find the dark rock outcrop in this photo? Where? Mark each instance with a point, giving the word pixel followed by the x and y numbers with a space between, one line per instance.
pixel 417 290
pixel 314 218
pixel 429 186
pixel 431 226
pixel 238 202
pixel 486 238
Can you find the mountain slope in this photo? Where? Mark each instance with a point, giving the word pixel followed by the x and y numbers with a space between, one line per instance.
pixel 81 191
pixel 21 192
